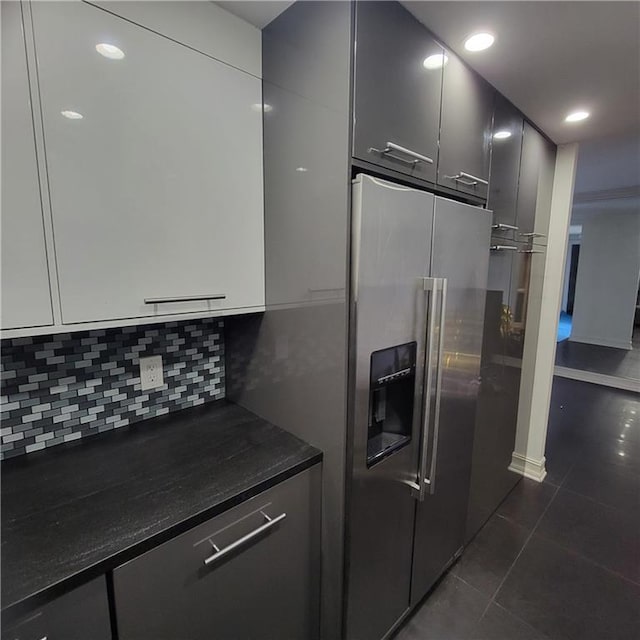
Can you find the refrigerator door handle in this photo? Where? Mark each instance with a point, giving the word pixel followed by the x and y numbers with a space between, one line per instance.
pixel 431 480
pixel 418 488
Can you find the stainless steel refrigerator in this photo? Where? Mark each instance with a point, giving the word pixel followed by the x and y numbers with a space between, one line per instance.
pixel 419 273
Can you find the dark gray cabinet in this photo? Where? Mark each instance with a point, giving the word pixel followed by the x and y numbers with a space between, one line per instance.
pixel 251 573
pixel 510 265
pixel 397 90
pixel 465 129
pixel 81 614
pixel 505 168
pixel 535 184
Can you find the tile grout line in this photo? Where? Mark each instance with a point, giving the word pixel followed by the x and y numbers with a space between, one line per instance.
pixel 598 502
pixel 526 542
pixel 575 553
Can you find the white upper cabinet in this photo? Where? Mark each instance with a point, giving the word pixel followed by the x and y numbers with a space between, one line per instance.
pixel 203 26
pixel 154 157
pixel 26 297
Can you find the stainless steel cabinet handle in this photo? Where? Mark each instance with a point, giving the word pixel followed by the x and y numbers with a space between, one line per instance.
pixel 431 480
pixel 502 247
pixel 392 146
pixel 533 235
pixel 471 180
pixel 531 251
pixel 220 553
pixel 504 227
pixel 210 296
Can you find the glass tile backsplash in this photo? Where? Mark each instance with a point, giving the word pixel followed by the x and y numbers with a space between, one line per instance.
pixel 63 387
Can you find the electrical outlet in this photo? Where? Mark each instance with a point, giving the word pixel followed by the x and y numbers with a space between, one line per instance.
pixel 151 372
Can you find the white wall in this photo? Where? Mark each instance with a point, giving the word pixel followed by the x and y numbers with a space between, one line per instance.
pixel 607 282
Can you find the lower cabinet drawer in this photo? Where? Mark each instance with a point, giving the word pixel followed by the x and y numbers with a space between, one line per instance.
pixel 251 573
pixel 81 614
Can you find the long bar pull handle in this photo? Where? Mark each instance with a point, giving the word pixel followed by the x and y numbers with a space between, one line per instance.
pixel 431 480
pixel 418 156
pixel 502 247
pixel 471 180
pixel 501 226
pixel 220 553
pixel 210 296
pixel 419 487
pixel 468 176
pixel 533 235
pixel 530 251
pixel 392 146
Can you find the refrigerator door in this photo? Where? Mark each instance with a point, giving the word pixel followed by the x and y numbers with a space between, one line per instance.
pixel 391 244
pixel 461 256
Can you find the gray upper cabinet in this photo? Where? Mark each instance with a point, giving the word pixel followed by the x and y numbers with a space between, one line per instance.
pixel 465 129
pixel 397 94
pixel 505 168
pixel 535 184
pixel 251 573
pixel 26 297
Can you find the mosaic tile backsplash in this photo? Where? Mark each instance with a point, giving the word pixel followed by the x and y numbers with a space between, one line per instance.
pixel 63 387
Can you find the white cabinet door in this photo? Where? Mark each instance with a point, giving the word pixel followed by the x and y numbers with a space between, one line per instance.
pixel 156 178
pixel 26 297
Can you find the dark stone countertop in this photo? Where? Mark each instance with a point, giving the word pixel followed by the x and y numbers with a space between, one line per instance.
pixel 81 509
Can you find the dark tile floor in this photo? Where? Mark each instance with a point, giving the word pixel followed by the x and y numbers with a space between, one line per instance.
pixel 558 560
pixel 609 361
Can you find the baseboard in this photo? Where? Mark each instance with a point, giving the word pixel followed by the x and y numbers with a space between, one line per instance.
pixel 626 384
pixel 602 342
pixel 528 467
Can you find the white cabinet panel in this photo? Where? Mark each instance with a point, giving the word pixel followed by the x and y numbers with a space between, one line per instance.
pixel 26 297
pixel 156 192
pixel 203 26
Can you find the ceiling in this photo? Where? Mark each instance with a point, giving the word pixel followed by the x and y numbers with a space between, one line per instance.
pixel 548 58
pixel 258 12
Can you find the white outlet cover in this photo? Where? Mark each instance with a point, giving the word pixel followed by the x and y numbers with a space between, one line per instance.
pixel 151 375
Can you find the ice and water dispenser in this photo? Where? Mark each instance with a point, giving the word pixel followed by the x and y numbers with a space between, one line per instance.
pixel 391 396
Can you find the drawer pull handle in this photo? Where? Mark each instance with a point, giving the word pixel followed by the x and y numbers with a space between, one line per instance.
pixel 501 226
pixel 533 235
pixel 471 180
pixel 392 146
pixel 219 553
pixel 502 247
pixel 211 296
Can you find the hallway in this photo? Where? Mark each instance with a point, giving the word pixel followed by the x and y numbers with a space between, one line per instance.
pixel 559 560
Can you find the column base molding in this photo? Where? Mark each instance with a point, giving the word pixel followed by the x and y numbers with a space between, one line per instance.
pixel 528 467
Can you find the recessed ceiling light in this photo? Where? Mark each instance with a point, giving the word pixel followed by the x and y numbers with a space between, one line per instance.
pixel 502 135
pixel 110 51
pixel 478 42
pixel 577 116
pixel 72 115
pixel 302 169
pixel 436 61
